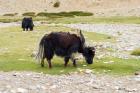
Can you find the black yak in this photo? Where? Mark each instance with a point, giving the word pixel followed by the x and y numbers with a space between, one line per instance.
pixel 27 24
pixel 64 44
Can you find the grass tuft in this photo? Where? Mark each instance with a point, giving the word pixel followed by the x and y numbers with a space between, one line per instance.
pixel 11 14
pixel 136 52
pixel 65 14
pixel 29 14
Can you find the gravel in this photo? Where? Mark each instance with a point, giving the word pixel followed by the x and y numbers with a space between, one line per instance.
pixel 3 25
pixel 31 82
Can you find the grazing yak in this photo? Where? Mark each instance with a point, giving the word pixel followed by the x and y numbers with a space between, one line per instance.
pixel 27 24
pixel 64 44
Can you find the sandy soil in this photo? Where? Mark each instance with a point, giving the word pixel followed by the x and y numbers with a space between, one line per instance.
pixel 98 7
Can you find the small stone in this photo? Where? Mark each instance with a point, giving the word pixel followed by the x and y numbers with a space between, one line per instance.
pixel 8 86
pixel 80 70
pixel 34 54
pixel 38 86
pixel 96 87
pixel 15 74
pixel 12 91
pixel 61 71
pixel 84 65
pixel 22 90
pixel 88 71
pixel 32 87
pixel 54 86
pixel 136 73
pixel 28 74
pixel 36 76
pixel 108 62
pixel 21 59
pixel 137 78
pixel 67 91
pixel 117 87
pixel 131 90
pixel 43 87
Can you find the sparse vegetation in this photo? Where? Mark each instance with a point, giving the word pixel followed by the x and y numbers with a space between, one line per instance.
pixel 55 15
pixel 10 14
pixel 56 4
pixel 81 13
pixel 136 52
pixel 7 19
pixel 65 14
pixel 29 14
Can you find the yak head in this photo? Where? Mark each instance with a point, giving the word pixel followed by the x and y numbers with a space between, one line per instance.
pixel 89 53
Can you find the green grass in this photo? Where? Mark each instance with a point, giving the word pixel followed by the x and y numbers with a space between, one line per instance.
pixel 98 37
pixel 64 14
pixel 16 48
pixel 91 19
pixel 117 67
pixel 7 19
pixel 78 19
pixel 136 52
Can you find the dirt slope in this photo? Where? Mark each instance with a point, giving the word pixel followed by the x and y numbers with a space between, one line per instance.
pixel 98 7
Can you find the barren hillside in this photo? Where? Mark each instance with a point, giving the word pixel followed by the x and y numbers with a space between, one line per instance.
pixel 98 7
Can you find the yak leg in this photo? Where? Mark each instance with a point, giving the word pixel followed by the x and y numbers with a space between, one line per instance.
pixel 49 62
pixel 23 29
pixel 66 59
pixel 31 28
pixel 73 60
pixel 42 62
pixel 72 50
pixel 74 63
pixel 27 28
pixel 49 55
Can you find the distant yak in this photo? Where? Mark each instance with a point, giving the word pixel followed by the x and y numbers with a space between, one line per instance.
pixel 64 44
pixel 27 24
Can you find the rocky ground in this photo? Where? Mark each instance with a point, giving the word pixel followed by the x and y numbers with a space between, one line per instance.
pixel 30 82
pixel 127 36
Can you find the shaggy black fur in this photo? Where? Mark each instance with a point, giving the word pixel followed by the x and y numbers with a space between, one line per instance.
pixel 63 44
pixel 27 24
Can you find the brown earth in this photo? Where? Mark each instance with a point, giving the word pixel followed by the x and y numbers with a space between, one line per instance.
pixel 98 7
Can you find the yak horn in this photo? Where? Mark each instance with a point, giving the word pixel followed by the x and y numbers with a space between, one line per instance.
pixel 81 37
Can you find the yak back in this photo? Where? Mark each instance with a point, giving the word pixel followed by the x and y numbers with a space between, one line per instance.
pixel 27 22
pixel 63 39
pixel 62 43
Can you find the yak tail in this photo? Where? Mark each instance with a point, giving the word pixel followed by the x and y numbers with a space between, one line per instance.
pixel 40 53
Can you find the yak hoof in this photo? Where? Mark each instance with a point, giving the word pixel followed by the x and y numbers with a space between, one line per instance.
pixel 42 65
